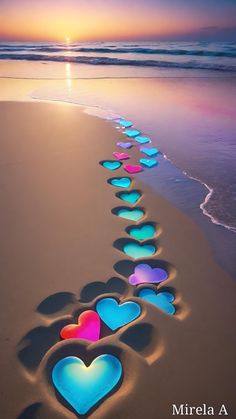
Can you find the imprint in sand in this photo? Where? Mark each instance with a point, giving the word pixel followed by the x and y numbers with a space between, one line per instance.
pixel 111 164
pixel 133 214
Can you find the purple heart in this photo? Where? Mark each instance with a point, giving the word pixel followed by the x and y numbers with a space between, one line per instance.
pixel 124 145
pixel 144 273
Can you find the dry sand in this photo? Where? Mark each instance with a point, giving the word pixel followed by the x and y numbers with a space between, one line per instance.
pixel 58 256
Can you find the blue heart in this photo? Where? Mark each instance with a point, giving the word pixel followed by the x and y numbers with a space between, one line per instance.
pixel 130 214
pixel 116 315
pixel 137 251
pixel 149 151
pixel 124 123
pixel 163 300
pixel 111 165
pixel 123 182
pixel 145 232
pixel 148 162
pixel 142 140
pixel 131 132
pixel 130 197
pixel 81 386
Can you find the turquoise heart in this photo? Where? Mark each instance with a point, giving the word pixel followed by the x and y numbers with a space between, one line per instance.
pixel 116 315
pixel 124 123
pixel 130 214
pixel 137 251
pixel 123 182
pixel 142 140
pixel 130 197
pixel 111 165
pixel 145 232
pixel 148 162
pixel 149 151
pixel 131 132
pixel 163 300
pixel 81 386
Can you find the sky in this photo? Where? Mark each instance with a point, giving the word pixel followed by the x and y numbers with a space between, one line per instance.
pixel 117 20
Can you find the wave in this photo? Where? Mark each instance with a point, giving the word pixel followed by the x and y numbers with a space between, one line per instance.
pixel 122 50
pixel 119 61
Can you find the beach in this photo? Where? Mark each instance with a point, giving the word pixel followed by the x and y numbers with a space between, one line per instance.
pixel 61 252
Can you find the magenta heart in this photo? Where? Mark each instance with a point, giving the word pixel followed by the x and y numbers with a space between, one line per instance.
pixel 144 274
pixel 121 156
pixel 130 168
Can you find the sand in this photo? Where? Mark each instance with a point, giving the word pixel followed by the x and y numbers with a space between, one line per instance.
pixel 59 255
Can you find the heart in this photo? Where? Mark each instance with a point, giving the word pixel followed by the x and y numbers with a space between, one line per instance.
pixel 142 140
pixel 88 327
pixel 144 273
pixel 137 251
pixel 144 232
pixel 124 145
pixel 131 197
pixel 123 182
pixel 149 151
pixel 130 214
pixel 148 162
pixel 132 168
pixel 83 386
pixel 120 156
pixel 111 165
pixel 162 300
pixel 116 315
pixel 124 123
pixel 131 132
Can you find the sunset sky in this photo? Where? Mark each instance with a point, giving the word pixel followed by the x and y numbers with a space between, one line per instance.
pixel 101 20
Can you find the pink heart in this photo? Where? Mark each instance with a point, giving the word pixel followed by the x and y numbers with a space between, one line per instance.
pixel 88 327
pixel 144 273
pixel 120 156
pixel 132 168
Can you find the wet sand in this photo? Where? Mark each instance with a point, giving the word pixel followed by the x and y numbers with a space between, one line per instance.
pixel 59 255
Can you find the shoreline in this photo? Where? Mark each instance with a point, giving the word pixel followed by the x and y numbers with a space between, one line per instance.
pixel 59 235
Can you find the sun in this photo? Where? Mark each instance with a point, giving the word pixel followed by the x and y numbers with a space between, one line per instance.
pixel 67 39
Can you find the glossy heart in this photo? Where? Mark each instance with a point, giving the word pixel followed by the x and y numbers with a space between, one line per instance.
pixel 148 162
pixel 124 123
pixel 144 232
pixel 120 156
pixel 116 315
pixel 88 327
pixel 111 165
pixel 124 145
pixel 81 386
pixel 131 132
pixel 130 197
pixel 149 151
pixel 142 140
pixel 130 214
pixel 130 168
pixel 137 251
pixel 144 273
pixel 162 300
pixel 123 182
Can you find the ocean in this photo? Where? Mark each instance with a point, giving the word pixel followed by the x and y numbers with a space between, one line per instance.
pixel 180 94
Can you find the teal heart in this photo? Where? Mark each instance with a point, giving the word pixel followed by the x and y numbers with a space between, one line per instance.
pixel 162 300
pixel 142 140
pixel 137 251
pixel 130 197
pixel 148 162
pixel 111 165
pixel 130 214
pixel 124 123
pixel 123 182
pixel 83 386
pixel 116 315
pixel 144 232
pixel 131 132
pixel 149 151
